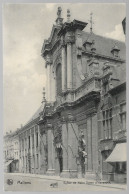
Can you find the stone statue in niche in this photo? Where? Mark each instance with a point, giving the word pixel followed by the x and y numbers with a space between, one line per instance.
pixel 82 145
pixel 57 137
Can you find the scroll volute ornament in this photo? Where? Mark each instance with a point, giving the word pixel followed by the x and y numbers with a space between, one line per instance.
pixel 69 38
pixel 48 59
pixel 79 43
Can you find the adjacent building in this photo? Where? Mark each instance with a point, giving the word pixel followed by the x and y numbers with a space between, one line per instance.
pixel 11 152
pixel 82 122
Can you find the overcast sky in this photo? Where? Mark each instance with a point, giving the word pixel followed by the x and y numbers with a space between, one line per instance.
pixel 25 26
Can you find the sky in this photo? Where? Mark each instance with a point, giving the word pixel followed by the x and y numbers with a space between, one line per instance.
pixel 25 26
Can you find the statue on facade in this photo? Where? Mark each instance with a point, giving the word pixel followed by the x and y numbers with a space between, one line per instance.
pixel 59 12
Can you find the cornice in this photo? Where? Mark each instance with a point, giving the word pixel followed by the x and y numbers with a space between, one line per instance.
pixel 104 56
pixel 91 95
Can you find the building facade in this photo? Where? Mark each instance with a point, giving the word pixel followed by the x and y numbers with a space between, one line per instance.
pixel 83 119
pixel 11 152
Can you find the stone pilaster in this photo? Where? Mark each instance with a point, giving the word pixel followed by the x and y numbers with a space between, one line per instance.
pixel 48 66
pixel 48 82
pixel 69 65
pixel 64 68
pixel 65 172
pixel 31 155
pixel 34 150
pixel 39 156
pixel 53 86
pixel 89 144
pixel 24 154
pixel 51 153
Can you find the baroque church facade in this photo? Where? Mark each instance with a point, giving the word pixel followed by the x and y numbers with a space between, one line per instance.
pixel 83 117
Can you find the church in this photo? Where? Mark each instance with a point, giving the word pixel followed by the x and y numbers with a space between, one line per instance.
pixel 82 120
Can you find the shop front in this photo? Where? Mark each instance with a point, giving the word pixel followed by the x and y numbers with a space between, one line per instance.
pixel 118 159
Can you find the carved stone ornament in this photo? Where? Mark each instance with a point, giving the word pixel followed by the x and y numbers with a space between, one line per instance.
pixel 48 60
pixel 57 60
pixel 70 38
pixel 82 145
pixel 62 41
pixel 79 68
pixel 79 44
pixel 57 135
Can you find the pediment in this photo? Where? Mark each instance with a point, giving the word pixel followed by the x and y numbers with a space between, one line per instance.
pixel 49 43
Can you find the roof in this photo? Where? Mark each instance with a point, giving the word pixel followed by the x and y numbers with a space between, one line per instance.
pixel 118 88
pixel 104 45
pixel 36 114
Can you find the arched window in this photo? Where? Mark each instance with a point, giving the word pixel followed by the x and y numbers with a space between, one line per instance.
pixel 58 80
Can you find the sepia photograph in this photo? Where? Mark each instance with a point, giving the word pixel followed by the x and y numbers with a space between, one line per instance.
pixel 64 95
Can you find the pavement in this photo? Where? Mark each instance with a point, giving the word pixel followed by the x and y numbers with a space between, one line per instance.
pixel 37 182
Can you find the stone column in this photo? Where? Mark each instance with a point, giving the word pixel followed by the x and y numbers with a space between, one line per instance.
pixel 65 172
pixel 51 155
pixel 48 82
pixel 64 77
pixel 69 66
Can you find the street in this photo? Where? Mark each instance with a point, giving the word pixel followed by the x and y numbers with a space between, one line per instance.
pixel 21 182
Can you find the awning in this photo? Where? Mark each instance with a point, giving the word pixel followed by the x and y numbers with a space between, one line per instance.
pixel 8 162
pixel 118 154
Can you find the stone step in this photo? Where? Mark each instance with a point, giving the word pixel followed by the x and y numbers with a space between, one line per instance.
pixel 90 176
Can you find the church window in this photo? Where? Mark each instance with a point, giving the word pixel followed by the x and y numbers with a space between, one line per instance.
pixel 22 144
pixel 106 87
pixel 58 80
pixel 107 123
pixel 33 140
pixel 25 143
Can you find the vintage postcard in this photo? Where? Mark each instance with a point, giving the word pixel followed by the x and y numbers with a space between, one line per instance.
pixel 64 73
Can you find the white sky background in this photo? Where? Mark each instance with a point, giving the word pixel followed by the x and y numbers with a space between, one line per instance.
pixel 25 26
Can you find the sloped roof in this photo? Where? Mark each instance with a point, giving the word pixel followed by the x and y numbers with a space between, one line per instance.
pixel 36 114
pixel 104 45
